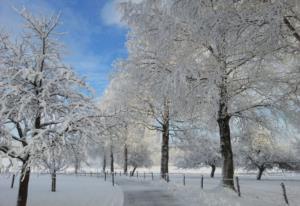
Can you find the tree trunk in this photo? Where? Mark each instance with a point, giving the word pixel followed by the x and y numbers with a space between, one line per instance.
pixel 125 159
pixel 213 169
pixel 111 160
pixel 226 150
pixel 104 163
pixel 53 181
pixel 23 186
pixel 164 169
pixel 260 172
pixel 77 165
pixel 132 173
pixel 224 129
pixel 76 169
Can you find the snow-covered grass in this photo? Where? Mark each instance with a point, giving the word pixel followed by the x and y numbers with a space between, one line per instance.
pixel 266 192
pixel 93 191
pixel 71 190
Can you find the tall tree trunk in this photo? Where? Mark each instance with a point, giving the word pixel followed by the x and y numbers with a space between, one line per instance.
pixel 111 160
pixel 104 163
pixel 23 186
pixel 125 159
pixel 224 129
pixel 260 172
pixel 226 150
pixel 53 181
pixel 164 168
pixel 213 169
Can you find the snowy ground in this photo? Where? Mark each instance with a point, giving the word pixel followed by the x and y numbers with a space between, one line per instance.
pixel 138 192
pixel 143 191
pixel 266 192
pixel 71 191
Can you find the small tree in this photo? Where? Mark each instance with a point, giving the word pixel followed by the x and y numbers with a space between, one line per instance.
pixel 139 156
pixel 199 151
pixel 76 154
pixel 258 150
pixel 54 159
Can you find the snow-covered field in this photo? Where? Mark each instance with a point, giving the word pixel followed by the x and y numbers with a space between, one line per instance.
pixel 266 192
pixel 71 191
pixel 93 191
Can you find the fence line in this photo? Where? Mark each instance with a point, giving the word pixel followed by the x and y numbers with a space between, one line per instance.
pixel 169 177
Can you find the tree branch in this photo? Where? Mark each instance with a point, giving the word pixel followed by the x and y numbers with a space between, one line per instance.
pixel 10 153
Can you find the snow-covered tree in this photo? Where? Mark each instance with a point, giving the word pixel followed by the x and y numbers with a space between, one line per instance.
pixel 233 40
pixel 199 151
pixel 149 71
pixel 258 150
pixel 76 155
pixel 139 156
pixel 40 96
pixel 54 159
pixel 220 51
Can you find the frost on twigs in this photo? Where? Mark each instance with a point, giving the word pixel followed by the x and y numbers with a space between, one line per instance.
pixel 44 107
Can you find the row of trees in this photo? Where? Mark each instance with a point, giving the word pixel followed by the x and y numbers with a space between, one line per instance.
pixel 48 118
pixel 126 139
pixel 255 150
pixel 198 68
pixel 203 65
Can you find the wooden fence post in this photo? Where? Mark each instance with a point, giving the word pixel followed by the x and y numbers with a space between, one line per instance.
pixel 168 177
pixel 202 178
pixel 183 179
pixel 137 174
pixel 152 175
pixel 12 181
pixel 238 185
pixel 284 193
pixel 144 175
pixel 104 176
pixel 113 179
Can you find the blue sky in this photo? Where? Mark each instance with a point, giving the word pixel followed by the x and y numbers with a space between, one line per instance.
pixel 94 36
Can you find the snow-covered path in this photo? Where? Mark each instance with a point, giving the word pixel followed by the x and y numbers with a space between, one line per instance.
pixel 143 193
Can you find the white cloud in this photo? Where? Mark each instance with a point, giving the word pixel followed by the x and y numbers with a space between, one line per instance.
pixel 110 13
